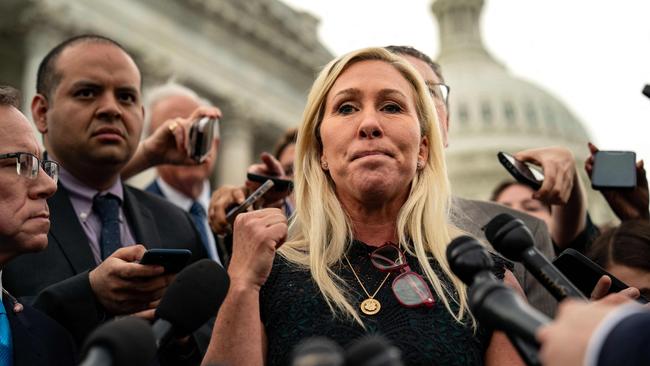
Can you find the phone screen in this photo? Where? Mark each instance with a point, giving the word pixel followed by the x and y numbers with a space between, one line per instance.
pixel 614 169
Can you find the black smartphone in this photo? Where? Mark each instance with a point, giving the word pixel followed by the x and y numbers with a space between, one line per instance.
pixel 201 138
pixel 522 172
pixel 174 260
pixel 614 169
pixel 250 200
pixel 279 185
pixel 584 273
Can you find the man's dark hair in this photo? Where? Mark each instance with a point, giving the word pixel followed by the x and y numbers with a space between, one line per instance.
pixel 9 96
pixel 48 77
pixel 410 51
pixel 289 138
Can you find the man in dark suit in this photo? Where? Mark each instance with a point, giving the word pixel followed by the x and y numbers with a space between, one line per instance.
pixel 88 108
pixel 27 336
pixel 188 187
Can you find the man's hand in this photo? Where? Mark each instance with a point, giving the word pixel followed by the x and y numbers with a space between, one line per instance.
pixel 627 204
pixel 124 286
pixel 223 199
pixel 601 290
pixel 564 342
pixel 168 143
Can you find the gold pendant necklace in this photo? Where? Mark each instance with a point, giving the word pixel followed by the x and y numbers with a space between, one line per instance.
pixel 369 306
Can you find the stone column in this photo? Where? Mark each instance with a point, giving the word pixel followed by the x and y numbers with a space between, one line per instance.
pixel 235 150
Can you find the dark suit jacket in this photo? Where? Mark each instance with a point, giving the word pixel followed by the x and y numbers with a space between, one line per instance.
pixel 471 216
pixel 37 339
pixel 57 278
pixel 628 343
pixel 222 248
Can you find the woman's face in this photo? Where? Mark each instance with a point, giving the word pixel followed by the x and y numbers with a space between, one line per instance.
pixel 371 134
pixel 520 197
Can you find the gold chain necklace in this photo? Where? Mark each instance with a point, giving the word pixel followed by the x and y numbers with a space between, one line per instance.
pixel 369 306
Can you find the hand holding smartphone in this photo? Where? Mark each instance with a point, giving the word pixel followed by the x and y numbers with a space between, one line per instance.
pixel 250 200
pixel 201 138
pixel 279 184
pixel 521 171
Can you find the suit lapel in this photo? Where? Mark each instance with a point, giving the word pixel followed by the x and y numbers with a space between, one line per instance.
pixel 68 233
pixel 141 220
pixel 28 349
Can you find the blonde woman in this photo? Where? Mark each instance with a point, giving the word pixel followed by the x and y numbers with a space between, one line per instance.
pixel 365 251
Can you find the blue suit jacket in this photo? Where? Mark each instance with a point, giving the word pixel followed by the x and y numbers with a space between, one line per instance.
pixel 37 339
pixel 628 343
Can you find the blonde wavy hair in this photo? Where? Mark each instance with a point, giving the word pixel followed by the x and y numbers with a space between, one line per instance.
pixel 320 230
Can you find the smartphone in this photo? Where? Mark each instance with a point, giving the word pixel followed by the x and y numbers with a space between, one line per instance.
pixel 522 172
pixel 584 273
pixel 279 185
pixel 174 260
pixel 201 138
pixel 614 169
pixel 250 200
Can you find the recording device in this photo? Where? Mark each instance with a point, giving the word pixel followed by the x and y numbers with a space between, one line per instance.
pixel 250 200
pixel 646 90
pixel 125 341
pixel 584 273
pixel 373 350
pixel 521 171
pixel 201 138
pixel 279 185
pixel 614 169
pixel 174 260
pixel 492 302
pixel 317 351
pixel 510 237
pixel 194 297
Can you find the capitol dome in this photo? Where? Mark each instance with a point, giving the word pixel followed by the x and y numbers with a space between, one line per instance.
pixel 492 110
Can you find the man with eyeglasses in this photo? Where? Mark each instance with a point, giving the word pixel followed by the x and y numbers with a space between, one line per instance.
pixel 27 336
pixel 88 108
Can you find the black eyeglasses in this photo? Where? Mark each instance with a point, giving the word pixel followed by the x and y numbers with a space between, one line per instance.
pixel 439 92
pixel 27 165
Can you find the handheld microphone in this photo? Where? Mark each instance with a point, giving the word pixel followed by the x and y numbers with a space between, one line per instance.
pixel 125 342
pixel 318 351
pixel 510 237
pixel 191 299
pixel 492 302
pixel 373 350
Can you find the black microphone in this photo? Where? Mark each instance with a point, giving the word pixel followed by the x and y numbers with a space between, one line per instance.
pixel 510 237
pixel 126 341
pixel 191 299
pixel 317 351
pixel 373 350
pixel 492 302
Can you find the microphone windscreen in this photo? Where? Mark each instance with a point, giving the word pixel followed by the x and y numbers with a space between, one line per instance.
pixel 194 296
pixel 467 257
pixel 129 340
pixel 317 351
pixel 372 350
pixel 495 224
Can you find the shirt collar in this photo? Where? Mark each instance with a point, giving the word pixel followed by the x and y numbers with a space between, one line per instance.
pixel 82 191
pixel 180 199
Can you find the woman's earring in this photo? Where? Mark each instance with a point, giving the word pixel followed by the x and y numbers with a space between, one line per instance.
pixel 420 164
pixel 324 165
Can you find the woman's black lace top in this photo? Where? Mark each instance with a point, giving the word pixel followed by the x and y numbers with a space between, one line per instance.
pixel 293 309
